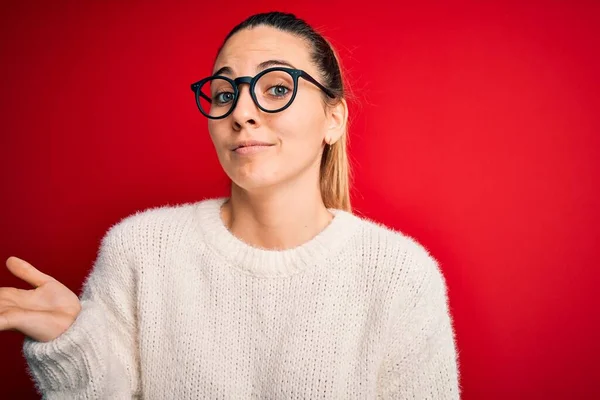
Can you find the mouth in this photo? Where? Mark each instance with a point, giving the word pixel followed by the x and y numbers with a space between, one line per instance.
pixel 247 146
pixel 252 149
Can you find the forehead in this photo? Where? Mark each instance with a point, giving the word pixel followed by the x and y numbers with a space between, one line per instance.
pixel 250 47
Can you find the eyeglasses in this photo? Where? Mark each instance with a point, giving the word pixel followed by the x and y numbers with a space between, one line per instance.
pixel 272 90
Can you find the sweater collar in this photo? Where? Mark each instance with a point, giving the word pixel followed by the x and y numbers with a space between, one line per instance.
pixel 274 263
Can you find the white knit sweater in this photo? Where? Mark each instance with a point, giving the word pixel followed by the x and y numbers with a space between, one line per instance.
pixel 177 307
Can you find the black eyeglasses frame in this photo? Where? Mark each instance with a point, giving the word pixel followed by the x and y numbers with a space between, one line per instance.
pixel 295 73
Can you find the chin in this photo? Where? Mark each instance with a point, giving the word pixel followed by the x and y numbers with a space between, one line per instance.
pixel 251 182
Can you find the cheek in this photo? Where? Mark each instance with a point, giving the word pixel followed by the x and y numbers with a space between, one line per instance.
pixel 219 134
pixel 302 125
pixel 215 130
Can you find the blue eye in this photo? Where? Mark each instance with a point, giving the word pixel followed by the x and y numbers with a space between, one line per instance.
pixel 223 98
pixel 278 91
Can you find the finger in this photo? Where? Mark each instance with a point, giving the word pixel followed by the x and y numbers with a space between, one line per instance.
pixel 39 325
pixel 16 319
pixel 5 321
pixel 27 272
pixel 21 298
pixel 11 294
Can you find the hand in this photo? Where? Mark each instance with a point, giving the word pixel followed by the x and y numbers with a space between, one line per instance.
pixel 43 313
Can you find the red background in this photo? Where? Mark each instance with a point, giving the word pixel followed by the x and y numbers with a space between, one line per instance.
pixel 475 130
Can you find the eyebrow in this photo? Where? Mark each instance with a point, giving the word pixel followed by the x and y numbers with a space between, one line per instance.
pixel 263 65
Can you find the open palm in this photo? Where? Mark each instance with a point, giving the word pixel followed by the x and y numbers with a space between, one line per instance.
pixel 42 313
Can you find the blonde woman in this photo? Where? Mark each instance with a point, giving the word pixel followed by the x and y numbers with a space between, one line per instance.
pixel 277 291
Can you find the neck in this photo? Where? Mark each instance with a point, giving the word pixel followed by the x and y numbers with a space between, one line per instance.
pixel 278 220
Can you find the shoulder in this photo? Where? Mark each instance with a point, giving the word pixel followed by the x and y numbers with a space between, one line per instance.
pixel 154 223
pixel 407 264
pixel 396 245
pixel 409 273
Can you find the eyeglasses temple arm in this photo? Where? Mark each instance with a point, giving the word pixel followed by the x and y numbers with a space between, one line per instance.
pixel 194 86
pixel 314 81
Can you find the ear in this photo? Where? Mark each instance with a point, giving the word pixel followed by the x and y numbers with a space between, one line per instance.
pixel 337 120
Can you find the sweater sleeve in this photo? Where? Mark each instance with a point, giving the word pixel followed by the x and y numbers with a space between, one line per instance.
pixel 96 358
pixel 422 359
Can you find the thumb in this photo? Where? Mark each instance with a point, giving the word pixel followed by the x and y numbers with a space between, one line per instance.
pixel 27 272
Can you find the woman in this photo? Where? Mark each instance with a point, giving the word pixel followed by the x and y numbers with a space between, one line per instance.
pixel 277 291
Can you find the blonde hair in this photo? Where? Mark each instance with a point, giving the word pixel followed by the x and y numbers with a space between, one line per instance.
pixel 336 174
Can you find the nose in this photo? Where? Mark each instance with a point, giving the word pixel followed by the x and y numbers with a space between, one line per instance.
pixel 245 113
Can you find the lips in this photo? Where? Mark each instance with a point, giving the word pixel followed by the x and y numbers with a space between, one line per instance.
pixel 250 143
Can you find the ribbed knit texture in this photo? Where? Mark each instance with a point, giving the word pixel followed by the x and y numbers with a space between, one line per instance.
pixel 177 307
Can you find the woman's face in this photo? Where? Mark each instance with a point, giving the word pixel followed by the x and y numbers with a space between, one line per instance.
pixel 295 135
